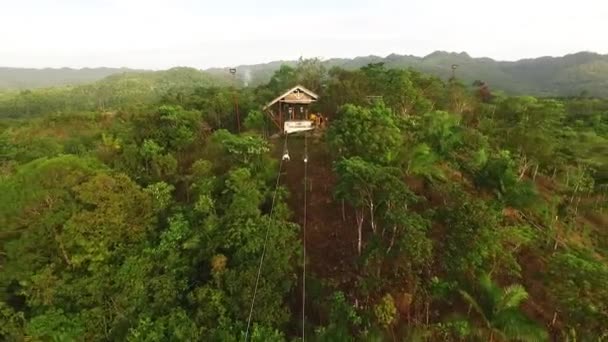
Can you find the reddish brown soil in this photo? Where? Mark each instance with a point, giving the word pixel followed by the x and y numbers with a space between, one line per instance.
pixel 330 240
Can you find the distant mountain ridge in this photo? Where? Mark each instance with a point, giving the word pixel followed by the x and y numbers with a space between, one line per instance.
pixel 26 78
pixel 569 75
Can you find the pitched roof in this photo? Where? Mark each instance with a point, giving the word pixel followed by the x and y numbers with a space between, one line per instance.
pixel 298 87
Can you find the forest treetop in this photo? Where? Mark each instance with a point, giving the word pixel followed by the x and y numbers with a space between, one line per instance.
pixel 133 209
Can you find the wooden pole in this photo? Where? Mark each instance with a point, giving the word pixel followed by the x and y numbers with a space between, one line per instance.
pixel 281 115
pixel 236 107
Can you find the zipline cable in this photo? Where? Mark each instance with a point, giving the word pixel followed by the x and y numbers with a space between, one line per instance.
pixel 304 236
pixel 257 280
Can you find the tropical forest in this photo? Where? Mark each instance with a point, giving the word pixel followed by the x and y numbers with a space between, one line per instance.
pixel 173 206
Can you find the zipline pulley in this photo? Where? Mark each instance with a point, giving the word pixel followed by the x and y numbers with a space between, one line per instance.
pixel 285 151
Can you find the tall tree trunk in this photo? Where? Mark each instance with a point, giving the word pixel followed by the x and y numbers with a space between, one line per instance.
pixel 535 172
pixel 390 246
pixel 574 193
pixel 555 244
pixel 371 216
pixel 554 318
pixel 359 216
pixel 523 168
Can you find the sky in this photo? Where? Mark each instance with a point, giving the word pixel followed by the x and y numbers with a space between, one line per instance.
pixel 159 34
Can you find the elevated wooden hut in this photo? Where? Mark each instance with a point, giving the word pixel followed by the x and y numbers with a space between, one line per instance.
pixel 293 105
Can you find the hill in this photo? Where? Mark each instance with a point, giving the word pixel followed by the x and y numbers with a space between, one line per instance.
pixel 545 76
pixel 26 78
pixel 569 75
pixel 117 91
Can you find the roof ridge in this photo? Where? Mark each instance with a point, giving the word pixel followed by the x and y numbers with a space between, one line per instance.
pixel 300 87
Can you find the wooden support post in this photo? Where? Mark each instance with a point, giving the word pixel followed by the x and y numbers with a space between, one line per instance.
pixel 281 115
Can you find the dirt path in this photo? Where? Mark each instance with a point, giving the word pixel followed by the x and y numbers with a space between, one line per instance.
pixel 330 240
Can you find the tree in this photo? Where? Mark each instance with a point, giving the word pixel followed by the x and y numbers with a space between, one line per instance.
pixel 500 318
pixel 459 100
pixel 311 73
pixel 369 133
pixel 216 105
pixel 283 79
pixel 397 87
pixel 74 224
pixel 413 247
pixel 342 321
pixel 422 161
pixel 256 121
pixel 248 150
pixel 578 281
pixel 529 128
pixel 364 185
pixel 344 86
pixel 441 131
pixel 473 223
pixel 150 151
pixel 498 173
pixel 386 312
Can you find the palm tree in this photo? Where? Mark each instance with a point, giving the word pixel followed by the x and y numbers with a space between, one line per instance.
pixel 499 313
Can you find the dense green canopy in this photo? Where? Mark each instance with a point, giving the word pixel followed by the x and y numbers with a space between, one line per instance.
pixel 138 208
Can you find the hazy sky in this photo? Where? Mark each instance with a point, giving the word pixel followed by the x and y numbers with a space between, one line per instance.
pixel 158 34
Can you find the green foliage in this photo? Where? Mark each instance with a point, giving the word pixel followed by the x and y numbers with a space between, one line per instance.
pixel 103 250
pixel 469 222
pixel 255 121
pixel 244 150
pixel 310 73
pixel 385 311
pixel 262 334
pixel 369 133
pixel 87 221
pixel 130 210
pixel 150 149
pixel 499 314
pixel 11 323
pixel 176 326
pixel 570 75
pixel 118 91
pixel 457 328
pixel 215 104
pixel 284 78
pixel 361 181
pixel 176 128
pixel 55 326
pixel 422 161
pixel 343 318
pixel 441 130
pixel 577 284
pixel 498 174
